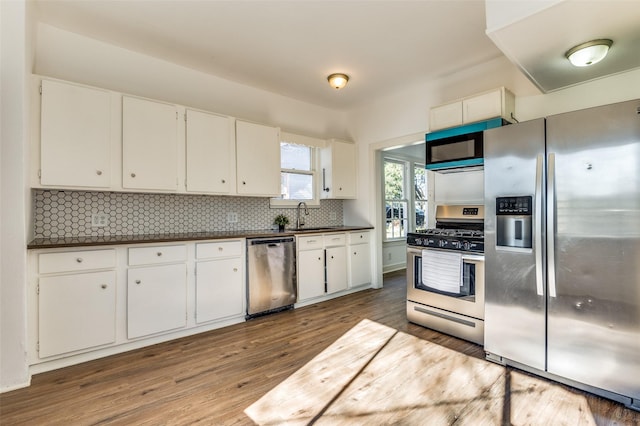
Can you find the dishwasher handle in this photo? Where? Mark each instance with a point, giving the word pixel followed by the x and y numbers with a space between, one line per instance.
pixel 271 242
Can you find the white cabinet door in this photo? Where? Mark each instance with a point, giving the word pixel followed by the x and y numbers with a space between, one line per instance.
pixel 149 145
pixel 75 136
pixel 258 159
pixel 156 299
pixel 336 269
pixel 444 116
pixel 310 274
pixel 360 265
pixel 338 161
pixel 76 312
pixel 211 153
pixel 482 107
pixel 219 289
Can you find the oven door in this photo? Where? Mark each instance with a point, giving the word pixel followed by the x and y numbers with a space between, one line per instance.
pixel 469 301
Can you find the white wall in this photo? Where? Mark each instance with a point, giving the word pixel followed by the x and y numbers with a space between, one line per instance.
pixel 73 57
pixel 15 57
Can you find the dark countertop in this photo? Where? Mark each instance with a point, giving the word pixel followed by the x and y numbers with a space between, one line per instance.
pixel 40 243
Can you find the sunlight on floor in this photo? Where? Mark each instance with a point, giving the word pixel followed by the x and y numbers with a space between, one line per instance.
pixel 374 374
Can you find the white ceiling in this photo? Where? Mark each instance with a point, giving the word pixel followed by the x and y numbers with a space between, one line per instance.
pixel 290 47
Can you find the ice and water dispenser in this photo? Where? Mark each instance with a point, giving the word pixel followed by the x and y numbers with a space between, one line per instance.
pixel 514 225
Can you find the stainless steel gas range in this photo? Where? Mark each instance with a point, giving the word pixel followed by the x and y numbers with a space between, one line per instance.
pixel 445 273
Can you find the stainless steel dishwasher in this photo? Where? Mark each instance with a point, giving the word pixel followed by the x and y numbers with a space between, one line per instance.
pixel 271 275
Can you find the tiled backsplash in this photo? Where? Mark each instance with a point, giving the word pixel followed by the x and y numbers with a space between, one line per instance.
pixel 59 214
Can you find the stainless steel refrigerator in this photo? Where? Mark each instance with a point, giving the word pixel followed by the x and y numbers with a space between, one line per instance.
pixel 562 248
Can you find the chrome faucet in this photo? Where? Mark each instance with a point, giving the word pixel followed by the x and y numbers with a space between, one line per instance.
pixel 300 220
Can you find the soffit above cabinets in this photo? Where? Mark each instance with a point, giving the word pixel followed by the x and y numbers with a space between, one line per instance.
pixel 536 35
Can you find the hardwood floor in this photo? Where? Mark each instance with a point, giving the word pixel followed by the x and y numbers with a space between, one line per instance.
pixel 212 377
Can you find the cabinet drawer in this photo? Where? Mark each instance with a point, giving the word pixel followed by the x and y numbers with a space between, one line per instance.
pixel 334 240
pixel 155 255
pixel 359 237
pixel 309 243
pixel 219 249
pixel 72 261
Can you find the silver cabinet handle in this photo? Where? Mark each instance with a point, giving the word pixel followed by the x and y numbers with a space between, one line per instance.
pixel 551 223
pixel 538 224
pixel 138 281
pixel 103 286
pixel 79 260
pixel 99 172
pixel 133 175
pixel 159 253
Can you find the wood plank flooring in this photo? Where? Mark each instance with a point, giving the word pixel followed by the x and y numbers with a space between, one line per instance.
pixel 212 377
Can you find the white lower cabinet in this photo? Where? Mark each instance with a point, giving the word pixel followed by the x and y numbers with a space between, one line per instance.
pixel 336 269
pixel 322 265
pixel 76 312
pixel 219 289
pixel 310 274
pixel 359 259
pixel 156 299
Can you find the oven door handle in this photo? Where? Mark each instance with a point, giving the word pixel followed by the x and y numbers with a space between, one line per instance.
pixel 475 258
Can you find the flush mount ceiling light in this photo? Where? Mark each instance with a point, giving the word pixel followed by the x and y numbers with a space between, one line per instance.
pixel 338 81
pixel 589 53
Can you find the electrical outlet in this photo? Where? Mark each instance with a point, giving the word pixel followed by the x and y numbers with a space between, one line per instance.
pixel 333 216
pixel 232 217
pixel 99 220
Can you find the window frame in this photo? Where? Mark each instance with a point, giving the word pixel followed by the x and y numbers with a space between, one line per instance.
pixel 314 145
pixel 405 200
pixel 410 165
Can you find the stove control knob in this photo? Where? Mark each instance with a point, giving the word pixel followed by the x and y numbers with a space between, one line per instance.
pixel 467 246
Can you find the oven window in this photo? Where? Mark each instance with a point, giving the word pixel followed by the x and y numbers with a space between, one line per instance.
pixel 468 282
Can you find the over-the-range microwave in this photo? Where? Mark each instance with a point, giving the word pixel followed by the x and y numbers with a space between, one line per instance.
pixel 458 146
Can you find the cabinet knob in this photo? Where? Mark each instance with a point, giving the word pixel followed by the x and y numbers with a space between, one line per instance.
pixel 79 259
pixel 138 281
pixel 220 249
pixel 319 258
pixel 244 182
pixel 99 172
pixel 224 181
pixel 133 175
pixel 235 269
pixel 159 253
pixel 340 188
pixel 361 236
pixel 332 257
pixel 355 252
pixel 103 286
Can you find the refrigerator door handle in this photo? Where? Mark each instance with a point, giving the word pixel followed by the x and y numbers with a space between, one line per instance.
pixel 551 223
pixel 538 225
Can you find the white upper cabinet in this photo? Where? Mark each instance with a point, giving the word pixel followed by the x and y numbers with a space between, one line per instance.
pixel 75 139
pixel 484 106
pixel 444 116
pixel 338 166
pixel 149 145
pixel 258 159
pixel 211 153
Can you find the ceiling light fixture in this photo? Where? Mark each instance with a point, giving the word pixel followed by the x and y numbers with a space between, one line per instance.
pixel 589 53
pixel 338 81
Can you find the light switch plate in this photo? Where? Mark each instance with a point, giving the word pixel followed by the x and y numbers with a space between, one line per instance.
pixel 232 217
pixel 99 220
